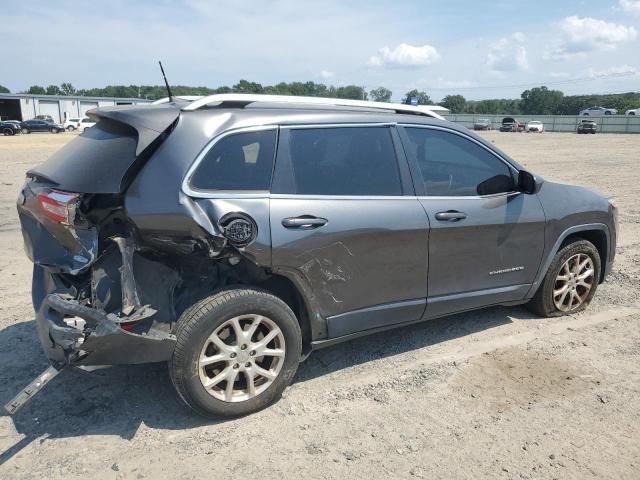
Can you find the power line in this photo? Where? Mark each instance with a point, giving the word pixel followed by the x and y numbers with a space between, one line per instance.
pixel 525 85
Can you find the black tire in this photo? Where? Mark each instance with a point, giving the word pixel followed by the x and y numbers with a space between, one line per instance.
pixel 542 302
pixel 54 130
pixel 70 128
pixel 7 132
pixel 608 113
pixel 26 130
pixel 202 319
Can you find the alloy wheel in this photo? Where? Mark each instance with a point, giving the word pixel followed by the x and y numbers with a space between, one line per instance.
pixel 241 358
pixel 573 282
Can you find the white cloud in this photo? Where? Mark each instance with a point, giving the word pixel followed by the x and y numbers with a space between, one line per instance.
pixel 405 55
pixel 508 54
pixel 441 83
pixel 559 74
pixel 630 6
pixel 583 35
pixel 326 74
pixel 622 70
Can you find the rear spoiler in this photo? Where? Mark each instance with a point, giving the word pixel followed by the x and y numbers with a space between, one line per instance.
pixel 150 121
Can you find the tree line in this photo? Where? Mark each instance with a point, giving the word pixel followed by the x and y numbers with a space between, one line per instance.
pixel 535 101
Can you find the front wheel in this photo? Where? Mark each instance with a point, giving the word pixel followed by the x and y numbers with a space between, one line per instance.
pixel 570 282
pixel 236 352
pixel 25 130
pixel 7 131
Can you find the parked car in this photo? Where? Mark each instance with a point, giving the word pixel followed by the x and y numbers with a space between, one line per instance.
pixel 71 124
pixel 46 118
pixel 595 111
pixel 483 124
pixel 86 123
pixel 40 126
pixel 587 126
pixel 510 124
pixel 633 111
pixel 231 241
pixel 9 128
pixel 535 126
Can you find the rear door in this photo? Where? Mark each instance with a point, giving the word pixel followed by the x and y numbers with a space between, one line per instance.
pixel 486 238
pixel 346 225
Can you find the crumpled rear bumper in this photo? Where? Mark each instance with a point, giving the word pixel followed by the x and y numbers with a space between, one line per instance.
pixel 100 341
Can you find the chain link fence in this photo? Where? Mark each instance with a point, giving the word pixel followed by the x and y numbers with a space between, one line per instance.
pixel 557 123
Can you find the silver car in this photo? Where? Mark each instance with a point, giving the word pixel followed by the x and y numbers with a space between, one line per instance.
pixel 598 111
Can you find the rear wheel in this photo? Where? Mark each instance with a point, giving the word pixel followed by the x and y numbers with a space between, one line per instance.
pixel 7 131
pixel 26 130
pixel 570 282
pixel 70 128
pixel 236 352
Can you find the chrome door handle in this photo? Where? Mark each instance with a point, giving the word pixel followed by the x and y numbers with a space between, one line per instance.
pixel 303 221
pixel 450 216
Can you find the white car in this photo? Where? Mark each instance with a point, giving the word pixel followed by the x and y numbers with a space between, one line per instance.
pixel 85 123
pixel 595 111
pixel 72 123
pixel 633 111
pixel 534 126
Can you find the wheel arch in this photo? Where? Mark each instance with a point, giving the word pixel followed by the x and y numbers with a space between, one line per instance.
pixel 596 233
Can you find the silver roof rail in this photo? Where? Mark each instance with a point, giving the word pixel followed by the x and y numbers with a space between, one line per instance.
pixel 244 99
pixel 188 98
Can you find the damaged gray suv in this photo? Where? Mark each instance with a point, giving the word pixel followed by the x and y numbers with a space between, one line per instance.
pixel 232 235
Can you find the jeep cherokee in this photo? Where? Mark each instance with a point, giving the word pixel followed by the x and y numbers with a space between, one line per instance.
pixel 232 235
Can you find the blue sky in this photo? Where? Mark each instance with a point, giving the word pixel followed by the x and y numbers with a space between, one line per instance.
pixel 479 49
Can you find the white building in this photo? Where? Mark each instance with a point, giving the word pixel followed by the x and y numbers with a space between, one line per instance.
pixel 23 106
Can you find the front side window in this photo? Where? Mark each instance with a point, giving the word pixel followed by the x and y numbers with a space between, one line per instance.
pixel 343 161
pixel 242 161
pixel 452 165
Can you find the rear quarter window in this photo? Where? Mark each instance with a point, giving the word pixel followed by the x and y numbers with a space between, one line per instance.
pixel 241 161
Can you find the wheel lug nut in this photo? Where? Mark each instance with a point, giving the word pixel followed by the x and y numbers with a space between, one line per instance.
pixel 252 353
pixel 237 365
pixel 233 355
pixel 247 364
pixel 243 347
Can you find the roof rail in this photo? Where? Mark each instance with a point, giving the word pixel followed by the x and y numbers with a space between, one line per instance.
pixel 243 99
pixel 188 98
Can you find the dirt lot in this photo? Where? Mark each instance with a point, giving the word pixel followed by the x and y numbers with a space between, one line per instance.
pixel 491 394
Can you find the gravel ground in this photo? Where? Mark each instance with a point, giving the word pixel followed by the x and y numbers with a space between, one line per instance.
pixel 496 393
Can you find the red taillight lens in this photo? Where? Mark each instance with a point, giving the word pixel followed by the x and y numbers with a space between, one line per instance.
pixel 58 206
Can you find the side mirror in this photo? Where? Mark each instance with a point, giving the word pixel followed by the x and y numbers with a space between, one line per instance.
pixel 528 182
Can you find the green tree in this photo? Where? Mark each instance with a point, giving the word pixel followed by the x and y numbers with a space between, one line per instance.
pixel 53 90
pixel 380 94
pixel 540 101
pixel 455 103
pixel 68 89
pixel 244 86
pixel 36 90
pixel 4 89
pixel 352 92
pixel 423 98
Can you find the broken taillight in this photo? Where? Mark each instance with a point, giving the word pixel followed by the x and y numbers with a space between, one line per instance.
pixel 58 206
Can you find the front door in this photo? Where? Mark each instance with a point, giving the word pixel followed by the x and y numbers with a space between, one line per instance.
pixel 346 225
pixel 486 239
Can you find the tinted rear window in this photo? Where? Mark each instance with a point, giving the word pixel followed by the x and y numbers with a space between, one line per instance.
pixel 94 162
pixel 343 161
pixel 243 161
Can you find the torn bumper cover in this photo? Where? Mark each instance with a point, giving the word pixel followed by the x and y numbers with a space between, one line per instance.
pixel 98 340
